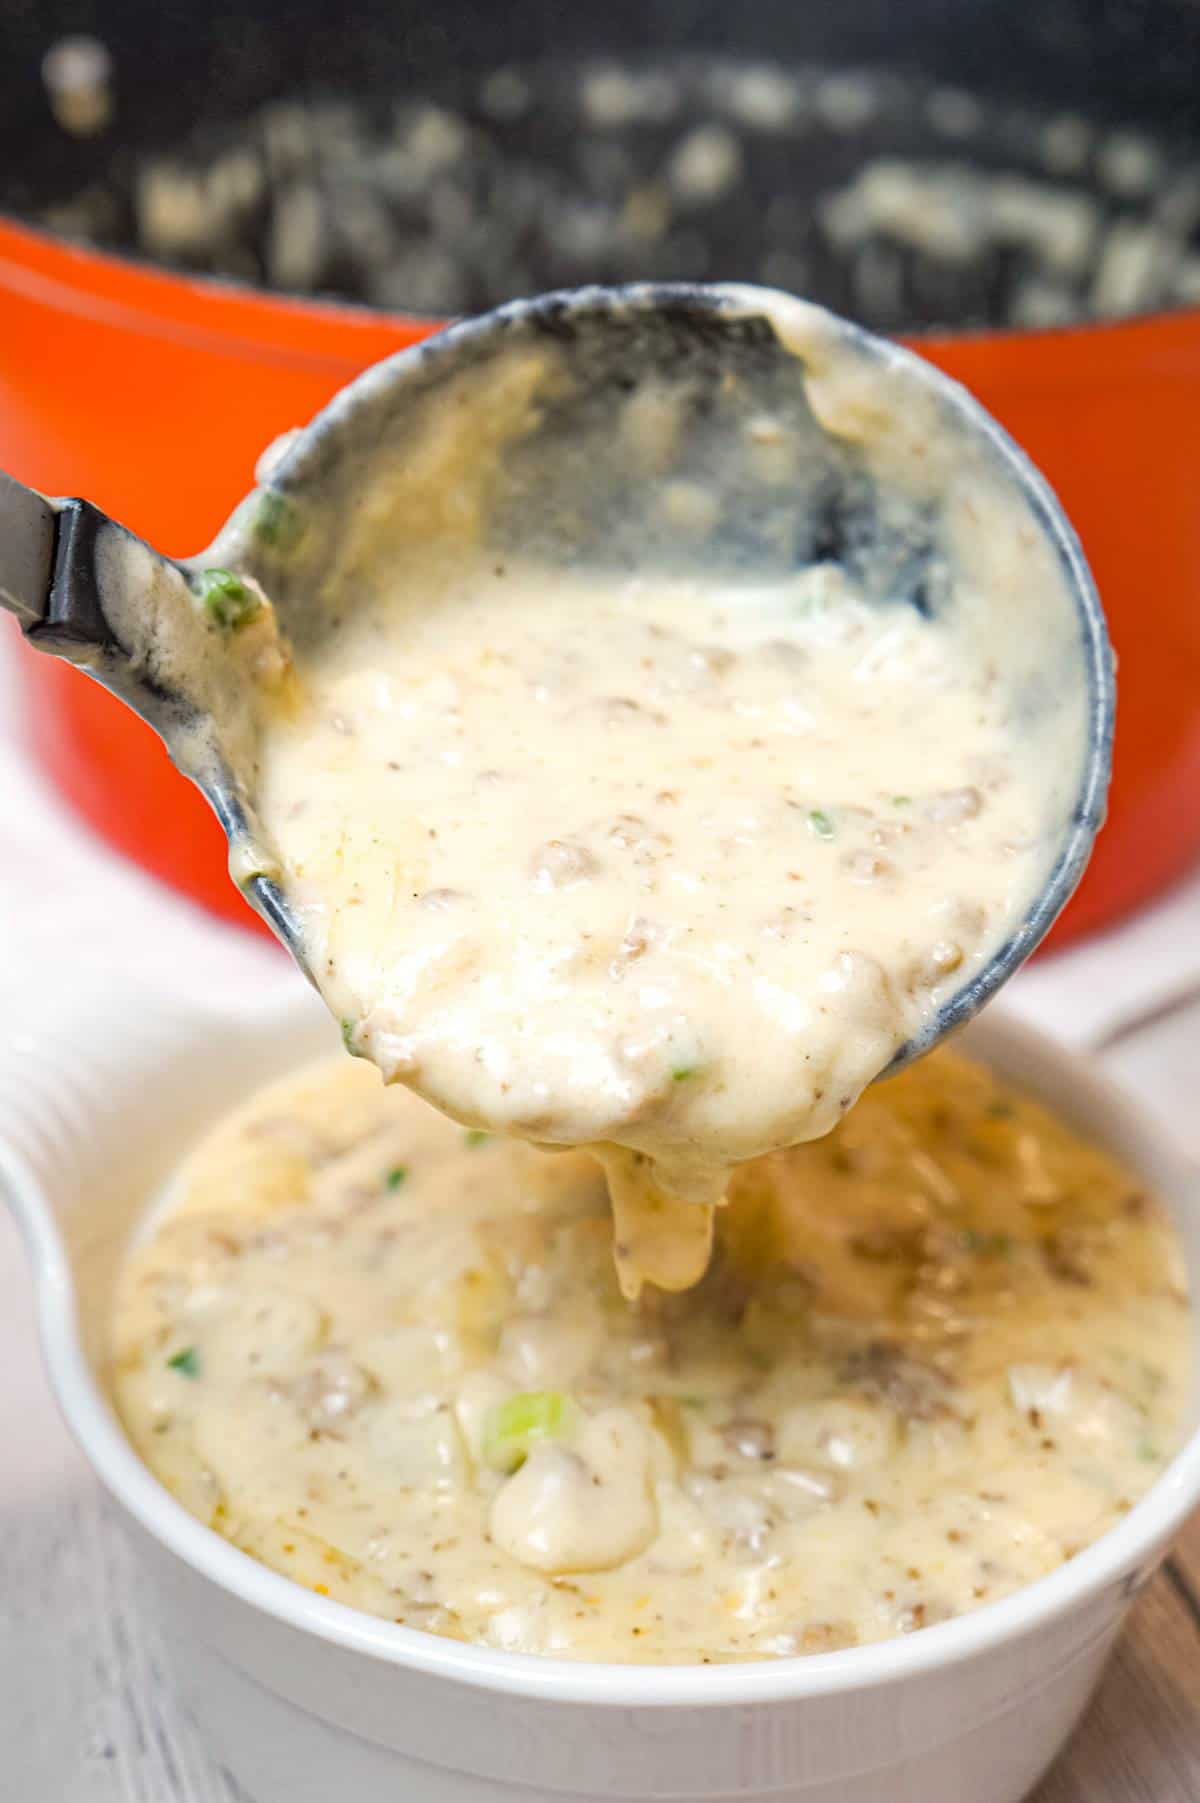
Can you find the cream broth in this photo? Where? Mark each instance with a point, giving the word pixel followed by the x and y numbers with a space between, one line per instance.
pixel 608 810
pixel 938 1352
pixel 676 878
pixel 662 868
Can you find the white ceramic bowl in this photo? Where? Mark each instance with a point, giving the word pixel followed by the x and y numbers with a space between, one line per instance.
pixel 307 1701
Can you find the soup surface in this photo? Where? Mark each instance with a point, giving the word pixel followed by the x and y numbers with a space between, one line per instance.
pixel 936 1354
pixel 895 200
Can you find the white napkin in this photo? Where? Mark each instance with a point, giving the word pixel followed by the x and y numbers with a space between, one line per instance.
pixel 70 908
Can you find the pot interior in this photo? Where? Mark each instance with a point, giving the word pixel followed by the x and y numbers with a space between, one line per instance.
pixel 957 165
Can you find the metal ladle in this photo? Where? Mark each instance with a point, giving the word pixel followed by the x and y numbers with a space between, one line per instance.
pixel 740 370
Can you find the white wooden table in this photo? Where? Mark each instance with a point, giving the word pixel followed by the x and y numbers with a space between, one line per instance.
pixel 87 1713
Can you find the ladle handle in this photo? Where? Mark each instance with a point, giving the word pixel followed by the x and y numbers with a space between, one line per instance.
pixel 48 570
pixel 49 580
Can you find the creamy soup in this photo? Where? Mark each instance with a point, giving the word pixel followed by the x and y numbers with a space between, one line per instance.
pixel 679 883
pixel 644 763
pixel 936 1354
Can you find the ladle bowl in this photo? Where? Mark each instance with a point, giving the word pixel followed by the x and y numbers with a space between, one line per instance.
pixel 683 427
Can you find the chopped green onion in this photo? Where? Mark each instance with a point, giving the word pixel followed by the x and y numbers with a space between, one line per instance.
pixel 513 1428
pixel 348 1032
pixel 226 599
pixel 902 801
pixel 187 1362
pixel 396 1176
pixel 1149 1452
pixel 277 521
pixel 682 1072
pixel 820 823
pixel 988 1245
pixel 806 605
pixel 475 1136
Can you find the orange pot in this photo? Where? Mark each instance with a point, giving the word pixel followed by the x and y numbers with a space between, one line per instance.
pixel 152 395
